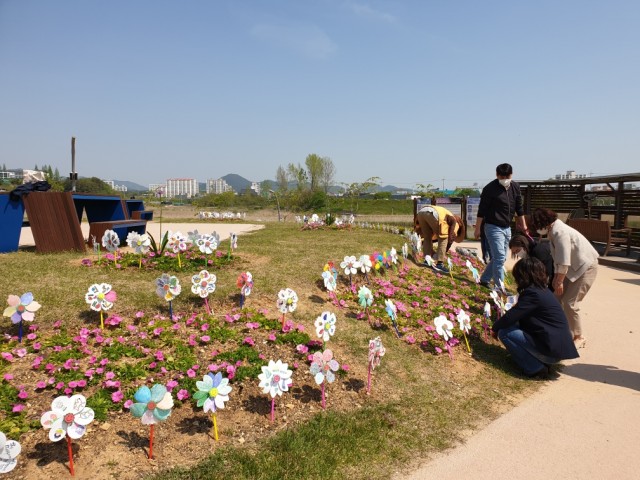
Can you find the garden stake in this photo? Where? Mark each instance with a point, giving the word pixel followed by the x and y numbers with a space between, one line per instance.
pixel 179 262
pixel 20 331
pixel 273 406
pixel 70 450
pixel 323 401
pixel 467 341
pixel 215 427
pixel 449 350
pixel 170 311
pixel 151 443
pixel 101 321
pixel 369 380
pixel 206 304
pixel 283 322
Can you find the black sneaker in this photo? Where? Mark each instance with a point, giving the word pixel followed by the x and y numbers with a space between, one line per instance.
pixel 439 267
pixel 486 285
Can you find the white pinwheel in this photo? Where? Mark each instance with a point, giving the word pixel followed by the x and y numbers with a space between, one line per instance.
pixel 168 287
pixel 365 263
pixel 193 236
pixel 376 350
pixel 393 254
pixel 100 297
pixel 487 310
pixel 233 241
pixel 444 327
pixel 322 367
pixel 405 251
pixel 9 451
pixel 212 392
pixel 110 240
pixel 350 265
pixel 287 300
pixel 510 302
pixel 325 325
pixel 329 281
pixel 365 297
pixel 275 378
pixel 68 416
pixel 464 321
pixel 139 243
pixel 428 260
pixel 177 242
pixel 203 283
pixel 207 244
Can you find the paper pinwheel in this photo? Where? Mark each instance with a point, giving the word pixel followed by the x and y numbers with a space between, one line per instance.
pixel 193 236
pixel 287 302
pixel 365 297
pixel 152 406
pixel 325 325
pixel 376 351
pixel 168 287
pixel 322 368
pixel 21 309
pixel 275 379
pixel 9 451
pixel 139 243
pixel 212 392
pixel 110 240
pixel 487 316
pixel 393 256
pixel 207 244
pixel 69 417
pixel 450 265
pixel 465 325
pixel 510 302
pixel 233 243
pixel 329 281
pixel 100 298
pixel 428 260
pixel 245 283
pixel 350 266
pixel 365 264
pixel 177 243
pixel 392 311
pixel 405 251
pixel 444 328
pixel 203 284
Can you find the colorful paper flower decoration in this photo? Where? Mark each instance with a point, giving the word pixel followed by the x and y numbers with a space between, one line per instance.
pixel 464 321
pixel 405 251
pixel 329 281
pixel 177 242
pixel 376 351
pixel 233 241
pixel 193 236
pixel 212 392
pixel 245 283
pixel 139 243
pixel 510 302
pixel 391 309
pixel 487 310
pixel 168 287
pixel 325 325
pixel 69 416
pixel 393 255
pixel 9 451
pixel 365 297
pixel 21 308
pixel 365 263
pixel 428 260
pixel 110 240
pixel 287 300
pixel 350 265
pixel 443 327
pixel 207 244
pixel 152 405
pixel 322 367
pixel 100 297
pixel 275 378
pixel 203 283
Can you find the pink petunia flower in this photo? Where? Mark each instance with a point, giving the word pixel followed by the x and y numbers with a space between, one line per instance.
pixel 182 394
pixel 18 407
pixel 116 397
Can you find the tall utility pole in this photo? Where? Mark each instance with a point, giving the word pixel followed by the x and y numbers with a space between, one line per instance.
pixel 443 185
pixel 73 176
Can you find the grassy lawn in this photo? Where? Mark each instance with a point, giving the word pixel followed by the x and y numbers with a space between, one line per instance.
pixel 420 404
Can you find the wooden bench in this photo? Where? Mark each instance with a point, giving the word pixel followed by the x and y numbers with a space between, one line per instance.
pixel 136 210
pixel 121 227
pixel 600 231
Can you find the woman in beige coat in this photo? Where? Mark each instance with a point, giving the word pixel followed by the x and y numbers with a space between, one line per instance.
pixel 575 262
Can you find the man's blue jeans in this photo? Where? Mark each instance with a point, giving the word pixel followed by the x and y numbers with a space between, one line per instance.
pixel 498 240
pixel 522 351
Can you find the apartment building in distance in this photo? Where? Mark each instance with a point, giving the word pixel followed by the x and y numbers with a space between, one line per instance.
pixel 158 188
pixel 176 187
pixel 218 185
pixel 117 188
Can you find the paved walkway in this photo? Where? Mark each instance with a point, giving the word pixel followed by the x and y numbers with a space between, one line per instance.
pixel 584 425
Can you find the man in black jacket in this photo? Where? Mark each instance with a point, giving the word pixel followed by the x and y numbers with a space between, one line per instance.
pixel 499 202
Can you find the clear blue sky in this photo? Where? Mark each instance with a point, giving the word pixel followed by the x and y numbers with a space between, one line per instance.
pixel 411 91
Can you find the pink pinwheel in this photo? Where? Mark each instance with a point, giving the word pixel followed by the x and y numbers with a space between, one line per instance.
pixel 202 284
pixel 245 283
pixel 100 298
pixel 21 309
pixel 376 351
pixel 322 368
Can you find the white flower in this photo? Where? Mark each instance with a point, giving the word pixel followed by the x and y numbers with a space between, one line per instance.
pixel 329 281
pixel 206 244
pixel 376 350
pixel 393 254
pixel 139 243
pixel 325 325
pixel 110 240
pixel 464 320
pixel 350 265
pixel 287 300
pixel 365 263
pixel 68 416
pixel 9 451
pixel 443 327
pixel 177 242
pixel 323 366
pixel 275 378
pixel 203 283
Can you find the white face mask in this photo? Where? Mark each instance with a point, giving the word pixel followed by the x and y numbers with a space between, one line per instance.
pixel 543 231
pixel 505 182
